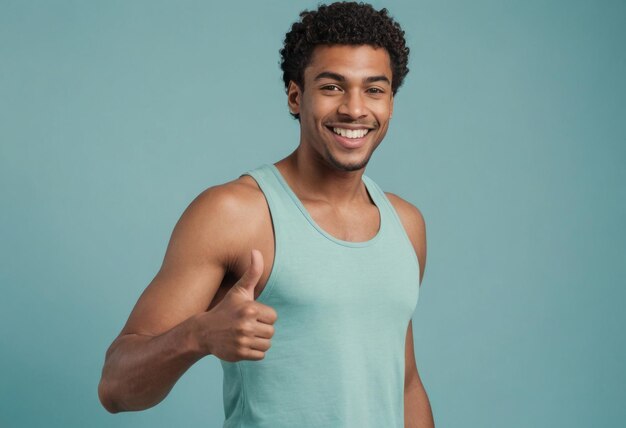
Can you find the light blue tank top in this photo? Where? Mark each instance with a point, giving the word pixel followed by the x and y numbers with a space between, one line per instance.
pixel 337 354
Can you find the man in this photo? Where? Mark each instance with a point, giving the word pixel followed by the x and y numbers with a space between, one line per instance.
pixel 300 276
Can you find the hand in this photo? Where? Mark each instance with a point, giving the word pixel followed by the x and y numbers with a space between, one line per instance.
pixel 238 327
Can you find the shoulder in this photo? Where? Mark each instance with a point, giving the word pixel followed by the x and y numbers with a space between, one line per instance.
pixel 221 217
pixel 411 216
pixel 230 200
pixel 414 225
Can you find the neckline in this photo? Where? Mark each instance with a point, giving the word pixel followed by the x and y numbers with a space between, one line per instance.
pixel 300 205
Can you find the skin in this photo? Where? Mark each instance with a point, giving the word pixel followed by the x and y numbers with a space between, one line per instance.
pixel 221 252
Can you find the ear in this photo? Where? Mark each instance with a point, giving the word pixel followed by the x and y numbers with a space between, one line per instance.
pixel 391 107
pixel 294 97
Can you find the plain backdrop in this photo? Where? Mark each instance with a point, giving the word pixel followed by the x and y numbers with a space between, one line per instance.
pixel 509 135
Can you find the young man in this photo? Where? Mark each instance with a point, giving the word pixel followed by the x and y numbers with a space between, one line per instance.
pixel 300 276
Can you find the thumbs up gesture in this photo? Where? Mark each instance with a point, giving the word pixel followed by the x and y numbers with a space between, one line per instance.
pixel 238 327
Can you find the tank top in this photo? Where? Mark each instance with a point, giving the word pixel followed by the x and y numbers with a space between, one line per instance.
pixel 337 357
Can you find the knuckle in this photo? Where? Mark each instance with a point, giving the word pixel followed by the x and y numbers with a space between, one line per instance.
pixel 249 311
pixel 244 328
pixel 240 329
pixel 241 341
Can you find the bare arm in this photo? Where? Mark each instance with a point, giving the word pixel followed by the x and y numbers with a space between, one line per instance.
pixel 169 328
pixel 417 410
pixel 140 370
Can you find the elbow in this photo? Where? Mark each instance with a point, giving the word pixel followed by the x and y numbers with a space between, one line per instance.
pixel 105 398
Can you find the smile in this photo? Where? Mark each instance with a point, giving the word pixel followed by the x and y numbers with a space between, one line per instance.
pixel 350 133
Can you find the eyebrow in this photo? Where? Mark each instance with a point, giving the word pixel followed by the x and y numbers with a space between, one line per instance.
pixel 340 78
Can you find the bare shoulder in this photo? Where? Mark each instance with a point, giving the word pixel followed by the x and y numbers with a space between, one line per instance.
pixel 224 212
pixel 411 216
pixel 414 224
pixel 231 198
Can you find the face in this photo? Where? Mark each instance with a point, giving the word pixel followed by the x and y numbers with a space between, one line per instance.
pixel 345 106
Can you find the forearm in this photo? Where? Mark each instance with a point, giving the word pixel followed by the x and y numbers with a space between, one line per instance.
pixel 140 371
pixel 417 411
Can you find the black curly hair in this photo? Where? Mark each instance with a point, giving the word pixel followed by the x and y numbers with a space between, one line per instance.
pixel 343 23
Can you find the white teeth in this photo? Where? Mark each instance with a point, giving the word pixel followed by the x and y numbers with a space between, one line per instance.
pixel 351 133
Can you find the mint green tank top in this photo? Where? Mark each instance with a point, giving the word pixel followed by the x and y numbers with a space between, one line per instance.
pixel 337 354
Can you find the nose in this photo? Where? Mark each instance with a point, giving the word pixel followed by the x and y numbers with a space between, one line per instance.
pixel 352 105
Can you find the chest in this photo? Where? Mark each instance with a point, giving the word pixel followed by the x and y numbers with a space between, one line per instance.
pixel 357 225
pixel 353 284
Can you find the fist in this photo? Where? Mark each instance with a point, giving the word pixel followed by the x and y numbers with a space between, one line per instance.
pixel 238 327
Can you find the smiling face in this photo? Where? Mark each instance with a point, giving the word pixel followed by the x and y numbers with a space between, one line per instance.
pixel 346 104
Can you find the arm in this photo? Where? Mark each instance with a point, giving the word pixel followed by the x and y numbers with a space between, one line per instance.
pixel 417 410
pixel 159 341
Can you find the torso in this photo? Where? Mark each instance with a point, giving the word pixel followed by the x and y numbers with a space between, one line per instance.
pixel 360 224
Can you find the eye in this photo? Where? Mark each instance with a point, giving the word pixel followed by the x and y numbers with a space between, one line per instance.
pixel 375 91
pixel 332 88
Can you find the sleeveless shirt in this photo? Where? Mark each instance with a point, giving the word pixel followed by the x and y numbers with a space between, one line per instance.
pixel 337 357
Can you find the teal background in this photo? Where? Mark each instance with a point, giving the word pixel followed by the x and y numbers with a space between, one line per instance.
pixel 509 134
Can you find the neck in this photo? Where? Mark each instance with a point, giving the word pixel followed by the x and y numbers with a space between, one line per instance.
pixel 312 177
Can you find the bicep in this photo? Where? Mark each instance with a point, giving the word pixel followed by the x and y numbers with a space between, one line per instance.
pixel 172 296
pixel 193 268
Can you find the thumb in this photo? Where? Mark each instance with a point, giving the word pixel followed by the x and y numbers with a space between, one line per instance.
pixel 251 277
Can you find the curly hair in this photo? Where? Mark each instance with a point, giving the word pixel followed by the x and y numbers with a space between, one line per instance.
pixel 343 23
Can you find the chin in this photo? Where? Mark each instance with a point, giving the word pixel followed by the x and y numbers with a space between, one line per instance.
pixel 347 166
pixel 350 167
